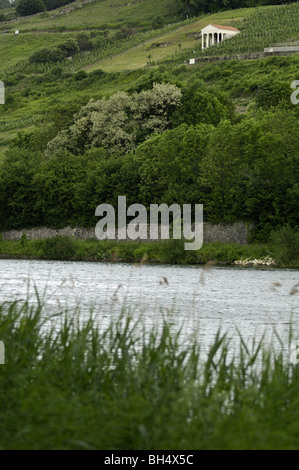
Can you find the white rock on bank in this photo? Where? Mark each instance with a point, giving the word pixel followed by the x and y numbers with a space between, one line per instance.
pixel 268 261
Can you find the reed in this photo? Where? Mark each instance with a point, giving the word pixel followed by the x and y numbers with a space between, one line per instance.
pixel 167 251
pixel 69 384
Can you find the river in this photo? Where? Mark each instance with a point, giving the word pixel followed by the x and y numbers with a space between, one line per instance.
pixel 251 301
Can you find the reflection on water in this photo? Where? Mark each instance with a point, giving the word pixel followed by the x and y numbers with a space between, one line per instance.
pixel 253 300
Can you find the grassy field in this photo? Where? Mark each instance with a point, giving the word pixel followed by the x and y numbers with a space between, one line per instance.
pixel 68 384
pixel 15 48
pixel 97 14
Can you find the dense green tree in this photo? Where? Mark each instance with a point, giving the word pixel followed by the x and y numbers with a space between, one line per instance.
pixel 202 104
pixel 29 7
pixel 53 4
pixel 251 171
pixel 167 144
pixel 169 166
pixel 56 183
pixel 18 193
pixel 212 6
pixel 71 186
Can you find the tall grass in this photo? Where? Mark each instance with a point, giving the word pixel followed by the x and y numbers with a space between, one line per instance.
pixel 80 386
pixel 166 251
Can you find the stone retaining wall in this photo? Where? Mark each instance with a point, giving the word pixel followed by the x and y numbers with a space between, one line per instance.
pixel 236 233
pixel 249 56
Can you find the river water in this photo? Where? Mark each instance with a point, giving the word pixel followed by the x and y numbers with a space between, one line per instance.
pixel 251 301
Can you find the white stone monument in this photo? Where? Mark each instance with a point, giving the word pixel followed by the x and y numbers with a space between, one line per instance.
pixel 214 34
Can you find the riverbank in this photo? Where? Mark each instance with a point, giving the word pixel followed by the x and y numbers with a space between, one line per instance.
pixel 166 252
pixel 76 386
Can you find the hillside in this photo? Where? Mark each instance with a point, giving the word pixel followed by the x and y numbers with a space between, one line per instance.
pixel 62 59
pixel 120 37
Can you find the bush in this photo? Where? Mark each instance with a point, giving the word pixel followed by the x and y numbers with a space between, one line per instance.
pixel 59 248
pixel 172 251
pixel 81 75
pixel 83 42
pixel 69 47
pixel 53 4
pixel 286 245
pixel 45 55
pixel 30 7
pixel 158 23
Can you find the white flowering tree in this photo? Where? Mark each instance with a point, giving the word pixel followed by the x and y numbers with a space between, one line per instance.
pixel 119 123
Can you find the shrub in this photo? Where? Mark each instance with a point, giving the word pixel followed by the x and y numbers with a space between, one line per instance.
pixel 83 42
pixel 172 251
pixel 81 75
pixel 59 248
pixel 286 245
pixel 158 23
pixel 30 7
pixel 45 55
pixel 69 47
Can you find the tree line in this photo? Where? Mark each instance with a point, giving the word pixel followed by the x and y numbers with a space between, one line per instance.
pixel 164 144
pixel 212 6
pixel 30 7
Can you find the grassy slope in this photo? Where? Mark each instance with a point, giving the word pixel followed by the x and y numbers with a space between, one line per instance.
pixel 43 30
pixel 14 48
pixel 98 14
pixel 138 57
pixel 38 32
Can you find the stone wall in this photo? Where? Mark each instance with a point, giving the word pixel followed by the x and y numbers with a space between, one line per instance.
pixel 236 233
pixel 248 56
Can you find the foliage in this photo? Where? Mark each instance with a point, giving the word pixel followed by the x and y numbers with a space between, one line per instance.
pixel 286 245
pixel 245 170
pixel 169 166
pixel 248 170
pixel 119 123
pixel 29 7
pixel 46 55
pixel 211 6
pixel 18 194
pixel 158 23
pixel 73 384
pixel 202 104
pixel 53 4
pixel 5 4
pixel 230 142
pixel 59 248
pixel 68 48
